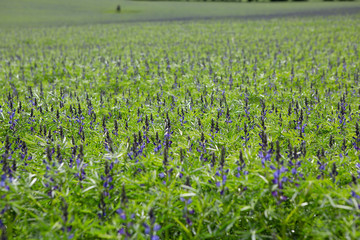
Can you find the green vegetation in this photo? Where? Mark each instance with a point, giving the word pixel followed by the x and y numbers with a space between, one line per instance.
pixel 40 13
pixel 180 130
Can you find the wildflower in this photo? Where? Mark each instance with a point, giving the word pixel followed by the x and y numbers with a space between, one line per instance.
pixel 153 227
pixel 321 168
pixel 278 179
pixel 186 210
pixel 228 118
pixel 241 166
pixel 333 173
pixel 246 135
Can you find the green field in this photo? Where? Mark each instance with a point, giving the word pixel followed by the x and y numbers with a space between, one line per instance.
pixel 37 13
pixel 235 128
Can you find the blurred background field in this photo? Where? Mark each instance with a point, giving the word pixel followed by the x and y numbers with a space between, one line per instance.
pixel 39 13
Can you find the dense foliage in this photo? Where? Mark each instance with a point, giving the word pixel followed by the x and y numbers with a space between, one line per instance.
pixel 200 130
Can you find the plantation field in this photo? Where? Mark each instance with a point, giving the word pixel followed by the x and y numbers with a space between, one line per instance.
pixel 208 129
pixel 40 13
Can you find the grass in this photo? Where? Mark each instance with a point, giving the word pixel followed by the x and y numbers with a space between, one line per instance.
pixel 224 129
pixel 37 13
